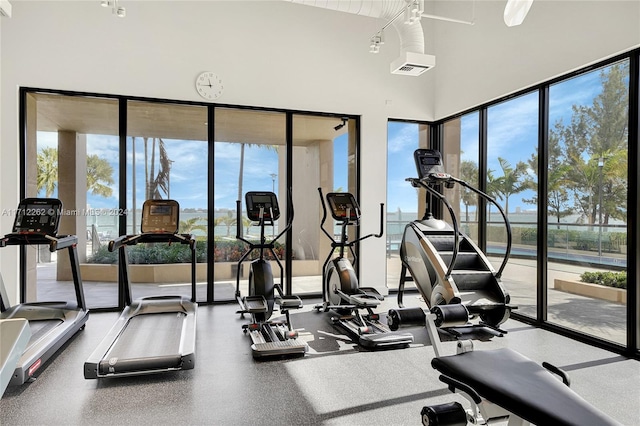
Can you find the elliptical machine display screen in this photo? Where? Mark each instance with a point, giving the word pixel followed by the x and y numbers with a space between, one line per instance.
pixel 160 216
pixel 38 216
pixel 342 202
pixel 428 162
pixel 265 200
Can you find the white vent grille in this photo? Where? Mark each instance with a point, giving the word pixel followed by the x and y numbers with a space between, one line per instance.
pixel 412 64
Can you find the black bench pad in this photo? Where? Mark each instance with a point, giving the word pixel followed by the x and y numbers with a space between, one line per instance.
pixel 521 386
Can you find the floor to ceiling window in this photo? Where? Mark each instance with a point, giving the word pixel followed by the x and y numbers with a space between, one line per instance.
pixel 587 201
pixel 568 264
pixel 250 155
pixel 325 157
pixel 512 141
pixel 202 156
pixel 167 159
pixel 72 154
pixel 404 202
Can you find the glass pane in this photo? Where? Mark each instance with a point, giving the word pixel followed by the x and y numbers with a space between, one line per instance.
pixel 167 159
pixel 461 159
pixel 587 235
pixel 324 156
pixel 512 141
pixel 404 203
pixel 250 155
pixel 73 154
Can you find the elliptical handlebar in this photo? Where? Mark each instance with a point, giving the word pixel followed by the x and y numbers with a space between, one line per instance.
pixel 347 220
pixel 324 215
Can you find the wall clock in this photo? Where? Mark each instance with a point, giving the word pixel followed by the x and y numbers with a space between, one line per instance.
pixel 209 85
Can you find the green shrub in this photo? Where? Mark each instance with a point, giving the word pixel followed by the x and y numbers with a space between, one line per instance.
pixel 224 251
pixel 609 279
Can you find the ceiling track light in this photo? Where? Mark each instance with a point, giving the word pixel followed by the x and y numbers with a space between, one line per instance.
pixel 376 41
pixel 413 11
pixel 117 10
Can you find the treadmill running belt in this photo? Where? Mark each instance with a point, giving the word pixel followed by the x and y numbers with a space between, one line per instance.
pixel 148 336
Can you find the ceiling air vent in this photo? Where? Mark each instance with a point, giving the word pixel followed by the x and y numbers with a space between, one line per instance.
pixel 414 64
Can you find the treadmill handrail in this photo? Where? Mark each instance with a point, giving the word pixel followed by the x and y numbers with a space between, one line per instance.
pixel 151 237
pixel 55 243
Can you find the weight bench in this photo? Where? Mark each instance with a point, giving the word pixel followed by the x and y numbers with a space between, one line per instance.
pixel 526 391
pixel 501 385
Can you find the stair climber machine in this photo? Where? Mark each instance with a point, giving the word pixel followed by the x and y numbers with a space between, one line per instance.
pixel 40 329
pixel 153 334
pixel 270 338
pixel 341 291
pixel 447 267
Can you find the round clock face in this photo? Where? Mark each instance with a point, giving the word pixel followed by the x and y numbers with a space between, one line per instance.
pixel 209 85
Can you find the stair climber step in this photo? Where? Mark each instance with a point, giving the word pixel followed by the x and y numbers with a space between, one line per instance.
pixel 465 260
pixel 473 280
pixel 445 242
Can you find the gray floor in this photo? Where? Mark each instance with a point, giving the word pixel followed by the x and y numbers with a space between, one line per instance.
pixel 334 384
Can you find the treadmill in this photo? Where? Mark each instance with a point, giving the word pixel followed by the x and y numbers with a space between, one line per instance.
pixel 157 333
pixel 15 334
pixel 51 324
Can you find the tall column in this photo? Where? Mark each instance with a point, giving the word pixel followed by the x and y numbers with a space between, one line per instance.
pixel 72 191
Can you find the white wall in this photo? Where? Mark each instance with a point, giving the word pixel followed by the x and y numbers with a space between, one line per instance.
pixel 488 60
pixel 268 53
pixel 2 220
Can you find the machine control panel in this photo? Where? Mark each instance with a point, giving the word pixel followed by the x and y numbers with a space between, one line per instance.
pixel 265 200
pixel 342 202
pixel 429 164
pixel 160 216
pixel 38 216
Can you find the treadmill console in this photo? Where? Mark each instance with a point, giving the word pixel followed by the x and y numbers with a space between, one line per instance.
pixel 38 216
pixel 265 200
pixel 340 203
pixel 428 163
pixel 160 216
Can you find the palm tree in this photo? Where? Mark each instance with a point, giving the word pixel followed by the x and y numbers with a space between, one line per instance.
pixel 190 225
pixel 47 165
pixel 160 182
pixel 512 182
pixel 99 173
pixel 99 176
pixel 227 220
pixel 469 173
pixel 241 171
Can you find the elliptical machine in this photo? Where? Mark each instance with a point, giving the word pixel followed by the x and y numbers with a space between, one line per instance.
pixel 270 338
pixel 340 287
pixel 446 266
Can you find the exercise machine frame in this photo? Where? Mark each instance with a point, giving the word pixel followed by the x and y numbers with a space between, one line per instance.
pixel 431 249
pixel 51 323
pixel 341 291
pixel 141 317
pixel 269 338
